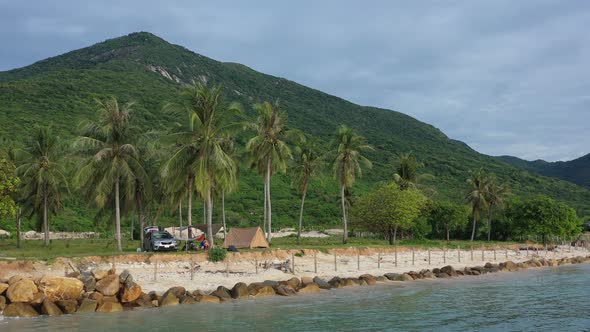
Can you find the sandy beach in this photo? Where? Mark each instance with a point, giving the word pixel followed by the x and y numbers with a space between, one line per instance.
pixel 161 271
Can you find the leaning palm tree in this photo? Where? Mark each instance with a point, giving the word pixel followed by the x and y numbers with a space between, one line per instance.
pixel 348 165
pixel 476 196
pixel 268 150
pixel 43 176
pixel 113 161
pixel 494 197
pixel 307 164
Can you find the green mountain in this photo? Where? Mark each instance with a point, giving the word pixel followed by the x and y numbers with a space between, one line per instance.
pixel 576 171
pixel 144 68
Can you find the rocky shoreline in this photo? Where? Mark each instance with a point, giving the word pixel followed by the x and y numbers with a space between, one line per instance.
pixel 108 291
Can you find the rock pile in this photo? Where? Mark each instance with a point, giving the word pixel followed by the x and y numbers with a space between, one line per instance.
pixel 107 291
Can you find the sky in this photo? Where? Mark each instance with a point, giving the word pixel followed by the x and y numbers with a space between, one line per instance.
pixel 506 77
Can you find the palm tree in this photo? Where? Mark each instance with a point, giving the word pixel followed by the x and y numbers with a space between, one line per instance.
pixel 495 197
pixel 199 154
pixel 42 175
pixel 348 164
pixel 269 150
pixel 114 161
pixel 406 172
pixel 307 163
pixel 476 196
pixel 226 180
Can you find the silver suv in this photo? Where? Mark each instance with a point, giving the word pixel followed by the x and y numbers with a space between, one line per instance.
pixel 160 240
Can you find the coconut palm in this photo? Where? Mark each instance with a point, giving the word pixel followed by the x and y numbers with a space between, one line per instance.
pixel 226 180
pixel 200 154
pixel 307 164
pixel 476 196
pixel 113 163
pixel 406 172
pixel 348 165
pixel 268 150
pixel 43 176
pixel 494 197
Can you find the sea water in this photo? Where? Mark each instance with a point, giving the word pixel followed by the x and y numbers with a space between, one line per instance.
pixel 544 299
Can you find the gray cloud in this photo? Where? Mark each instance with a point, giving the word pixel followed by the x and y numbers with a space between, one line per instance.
pixel 506 77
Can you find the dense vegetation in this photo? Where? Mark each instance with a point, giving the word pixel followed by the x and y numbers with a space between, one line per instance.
pixel 576 171
pixel 145 69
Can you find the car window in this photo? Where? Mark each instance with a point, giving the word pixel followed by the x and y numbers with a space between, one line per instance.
pixel 162 236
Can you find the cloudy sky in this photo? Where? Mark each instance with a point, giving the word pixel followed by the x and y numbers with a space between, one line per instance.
pixel 504 76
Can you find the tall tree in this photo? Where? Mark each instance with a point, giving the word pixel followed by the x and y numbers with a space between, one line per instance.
pixel 476 196
pixel 449 216
pixel 348 165
pixel 226 179
pixel 113 163
pixel 307 163
pixel 406 172
pixel 269 149
pixel 43 177
pixel 495 197
pixel 200 152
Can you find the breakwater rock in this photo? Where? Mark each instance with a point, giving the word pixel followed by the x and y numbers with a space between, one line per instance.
pixel 109 291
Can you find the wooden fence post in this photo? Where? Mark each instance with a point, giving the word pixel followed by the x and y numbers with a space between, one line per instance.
pixel 379 260
pixel 482 254
pixel 292 263
pixel 358 259
pixel 315 262
pixel 459 253
pixel 395 249
pixel 256 263
pixel 494 253
pixel 472 253
pixel 335 263
pixel 192 268
pixel 444 255
pixel 413 256
pixel 428 256
pixel 227 267
pixel 506 253
pixel 156 269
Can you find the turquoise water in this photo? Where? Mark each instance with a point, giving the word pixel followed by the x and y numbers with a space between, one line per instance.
pixel 535 300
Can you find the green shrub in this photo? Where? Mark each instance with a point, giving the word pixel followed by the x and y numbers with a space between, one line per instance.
pixel 217 254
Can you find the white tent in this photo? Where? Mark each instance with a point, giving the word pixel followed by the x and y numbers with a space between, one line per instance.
pixel 181 233
pixel 4 234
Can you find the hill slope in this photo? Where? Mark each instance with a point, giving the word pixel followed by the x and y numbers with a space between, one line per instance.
pixel 576 171
pixel 144 68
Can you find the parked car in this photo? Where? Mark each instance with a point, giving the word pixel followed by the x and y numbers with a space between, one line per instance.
pixel 159 240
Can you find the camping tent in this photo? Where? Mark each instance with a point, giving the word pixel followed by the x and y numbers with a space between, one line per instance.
pixel 181 233
pixel 252 237
pixel 216 228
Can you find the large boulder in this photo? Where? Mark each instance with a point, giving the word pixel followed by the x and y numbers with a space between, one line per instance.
pixel 306 280
pixel 222 293
pixel 50 308
pixel 23 290
pixel 3 287
pixel 125 276
pixel 19 309
pixel 369 279
pixel 348 282
pixel 178 291
pixel 293 282
pixel 261 290
pixel 88 281
pixel 428 275
pixel 110 307
pixel 37 299
pixel 321 283
pixel 87 305
pixel 130 292
pixel 188 300
pixel 240 290
pixel 61 288
pixel 207 299
pixel 448 270
pixel 96 296
pixel 2 302
pixel 510 266
pixel 392 276
pixel 100 274
pixel 310 288
pixel 169 300
pixel 68 306
pixel 15 278
pixel 108 285
pixel 406 277
pixel 284 290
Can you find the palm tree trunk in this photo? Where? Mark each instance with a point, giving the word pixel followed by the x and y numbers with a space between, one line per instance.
pixel 264 225
pixel 18 223
pixel 205 211
pixel 301 213
pixel 223 212
pixel 140 220
pixel 189 207
pixel 344 224
pixel 210 219
pixel 473 229
pixel 269 235
pixel 45 221
pixel 489 222
pixel 117 217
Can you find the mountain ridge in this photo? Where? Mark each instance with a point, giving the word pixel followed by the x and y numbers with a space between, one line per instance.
pixel 147 69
